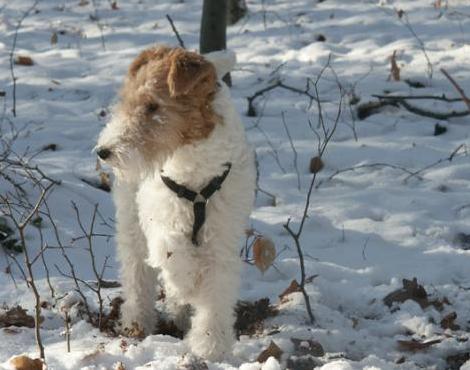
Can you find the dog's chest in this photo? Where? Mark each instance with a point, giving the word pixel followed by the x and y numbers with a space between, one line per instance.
pixel 159 207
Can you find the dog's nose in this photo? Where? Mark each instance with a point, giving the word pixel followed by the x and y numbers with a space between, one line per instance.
pixel 103 153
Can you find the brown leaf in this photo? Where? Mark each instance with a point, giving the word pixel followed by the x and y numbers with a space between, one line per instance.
pixel 292 288
pixel 273 350
pixel 24 60
pixel 16 316
pixel 114 5
pixel 400 13
pixel 448 322
pixel 394 69
pixel 411 290
pixel 251 316
pixel 415 345
pixel 26 363
pixel 83 3
pixel 307 347
pixel 11 331
pixel 316 165
pixel 264 253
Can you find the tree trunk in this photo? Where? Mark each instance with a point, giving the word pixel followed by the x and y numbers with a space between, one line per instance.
pixel 213 35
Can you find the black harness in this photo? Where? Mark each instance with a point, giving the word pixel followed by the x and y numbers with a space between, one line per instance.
pixel 199 200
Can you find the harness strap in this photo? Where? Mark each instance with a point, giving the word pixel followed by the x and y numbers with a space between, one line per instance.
pixel 199 199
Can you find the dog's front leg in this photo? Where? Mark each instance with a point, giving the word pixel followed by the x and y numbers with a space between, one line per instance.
pixel 212 333
pixel 139 280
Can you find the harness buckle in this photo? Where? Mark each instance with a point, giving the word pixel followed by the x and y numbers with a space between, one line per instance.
pixel 200 198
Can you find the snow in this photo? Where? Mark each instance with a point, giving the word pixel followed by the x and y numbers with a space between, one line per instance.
pixel 368 229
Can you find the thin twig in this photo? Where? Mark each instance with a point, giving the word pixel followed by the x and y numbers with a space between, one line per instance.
pixel 251 111
pixel 404 19
pixel 180 40
pixel 457 87
pixel 296 235
pixel 12 52
pixel 454 153
pixel 361 166
pixel 296 167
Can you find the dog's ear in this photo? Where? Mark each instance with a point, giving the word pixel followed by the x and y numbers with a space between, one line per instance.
pixel 154 53
pixel 188 70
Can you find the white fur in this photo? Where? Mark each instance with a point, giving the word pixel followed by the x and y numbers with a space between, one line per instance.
pixel 154 233
pixel 223 61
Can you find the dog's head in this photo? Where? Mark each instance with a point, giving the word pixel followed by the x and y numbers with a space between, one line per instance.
pixel 165 103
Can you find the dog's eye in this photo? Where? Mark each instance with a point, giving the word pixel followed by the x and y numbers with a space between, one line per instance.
pixel 151 108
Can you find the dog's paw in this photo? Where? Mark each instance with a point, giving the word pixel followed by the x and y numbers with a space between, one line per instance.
pixel 209 344
pixel 136 322
pixel 133 331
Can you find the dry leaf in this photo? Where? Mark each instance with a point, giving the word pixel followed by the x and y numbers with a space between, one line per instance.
pixel 26 363
pixel 415 345
pixel 292 288
pixel 307 347
pixel 411 290
pixel 251 315
pixel 448 322
pixel 54 38
pixel 11 331
pixel 114 5
pixel 394 69
pixel 264 253
pixel 16 316
pixel 24 60
pixel 272 351
pixel 316 165
pixel 83 3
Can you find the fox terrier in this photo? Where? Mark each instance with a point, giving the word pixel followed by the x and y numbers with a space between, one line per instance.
pixel 184 188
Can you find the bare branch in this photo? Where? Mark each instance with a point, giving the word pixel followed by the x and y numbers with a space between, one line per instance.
pixel 180 40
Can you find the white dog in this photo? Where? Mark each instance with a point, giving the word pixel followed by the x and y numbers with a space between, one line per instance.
pixel 184 189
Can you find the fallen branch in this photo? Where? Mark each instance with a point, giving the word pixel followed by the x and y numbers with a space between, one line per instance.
pixel 442 97
pixel 370 108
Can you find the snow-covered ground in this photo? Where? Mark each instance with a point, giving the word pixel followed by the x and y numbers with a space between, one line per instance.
pixel 367 229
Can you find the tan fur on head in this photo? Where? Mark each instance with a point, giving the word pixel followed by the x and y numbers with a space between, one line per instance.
pixel 166 101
